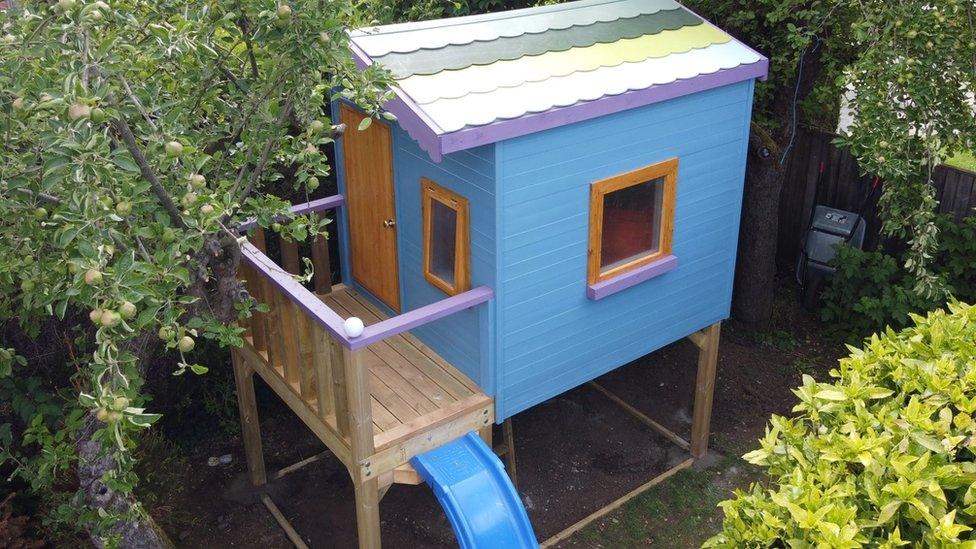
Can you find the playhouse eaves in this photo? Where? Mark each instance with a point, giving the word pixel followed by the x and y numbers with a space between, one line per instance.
pixel 468 81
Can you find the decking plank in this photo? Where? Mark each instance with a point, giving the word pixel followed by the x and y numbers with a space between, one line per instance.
pixel 407 377
pixel 382 418
pixel 402 411
pixel 415 352
pixel 376 315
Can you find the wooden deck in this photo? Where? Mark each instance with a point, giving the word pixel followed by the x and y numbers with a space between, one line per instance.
pixel 375 400
pixel 375 406
pixel 409 384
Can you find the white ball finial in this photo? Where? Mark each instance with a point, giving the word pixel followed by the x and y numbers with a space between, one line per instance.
pixel 353 326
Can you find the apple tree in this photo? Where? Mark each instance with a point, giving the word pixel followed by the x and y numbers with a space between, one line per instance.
pixel 911 66
pixel 137 136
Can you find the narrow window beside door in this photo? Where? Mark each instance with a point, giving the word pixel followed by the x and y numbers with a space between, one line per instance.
pixel 446 255
pixel 631 220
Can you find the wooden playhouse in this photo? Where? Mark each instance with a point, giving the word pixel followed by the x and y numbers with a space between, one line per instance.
pixel 558 196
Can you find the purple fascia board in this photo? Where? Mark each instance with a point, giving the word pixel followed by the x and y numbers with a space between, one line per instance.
pixel 410 116
pixel 313 206
pixel 560 116
pixel 601 290
pixel 300 295
pixel 423 315
pixel 333 323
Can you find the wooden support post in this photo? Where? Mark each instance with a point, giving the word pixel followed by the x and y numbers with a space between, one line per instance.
pixel 704 389
pixel 250 429
pixel 509 439
pixel 361 439
pixel 368 513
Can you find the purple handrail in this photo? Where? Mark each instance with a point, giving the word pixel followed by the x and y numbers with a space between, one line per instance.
pixel 325 317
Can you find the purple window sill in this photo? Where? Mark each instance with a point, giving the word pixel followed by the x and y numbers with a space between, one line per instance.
pixel 621 282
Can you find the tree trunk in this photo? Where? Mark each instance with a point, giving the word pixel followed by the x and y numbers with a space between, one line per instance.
pixel 214 281
pixel 138 530
pixel 755 276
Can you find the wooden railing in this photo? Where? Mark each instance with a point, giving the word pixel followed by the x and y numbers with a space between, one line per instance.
pixel 302 346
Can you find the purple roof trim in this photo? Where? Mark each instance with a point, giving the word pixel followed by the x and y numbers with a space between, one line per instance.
pixel 412 119
pixel 530 123
pixel 601 290
pixel 318 205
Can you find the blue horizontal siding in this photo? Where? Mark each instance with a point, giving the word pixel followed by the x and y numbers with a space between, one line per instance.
pixel 464 339
pixel 550 337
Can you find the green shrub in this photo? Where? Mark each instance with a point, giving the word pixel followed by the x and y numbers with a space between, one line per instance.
pixel 872 290
pixel 884 456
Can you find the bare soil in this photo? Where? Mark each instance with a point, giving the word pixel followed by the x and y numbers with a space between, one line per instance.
pixel 576 452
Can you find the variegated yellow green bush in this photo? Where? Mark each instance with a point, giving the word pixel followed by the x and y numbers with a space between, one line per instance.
pixel 883 457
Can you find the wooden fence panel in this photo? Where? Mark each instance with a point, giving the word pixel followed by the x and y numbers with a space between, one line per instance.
pixel 815 158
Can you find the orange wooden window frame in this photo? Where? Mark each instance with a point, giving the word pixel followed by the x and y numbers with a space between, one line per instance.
pixel 668 169
pixel 429 192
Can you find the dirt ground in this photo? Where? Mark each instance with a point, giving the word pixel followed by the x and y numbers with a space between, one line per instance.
pixel 576 453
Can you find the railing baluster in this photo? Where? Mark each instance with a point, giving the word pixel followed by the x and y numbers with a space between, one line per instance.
pixel 289 339
pixel 321 264
pixel 289 255
pixel 322 363
pixel 275 346
pixel 256 287
pixel 306 351
pixel 339 386
pixel 257 238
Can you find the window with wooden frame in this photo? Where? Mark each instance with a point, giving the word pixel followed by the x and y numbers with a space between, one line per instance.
pixel 447 257
pixel 631 220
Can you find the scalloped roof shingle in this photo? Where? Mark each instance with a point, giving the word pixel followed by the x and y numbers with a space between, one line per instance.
pixel 467 81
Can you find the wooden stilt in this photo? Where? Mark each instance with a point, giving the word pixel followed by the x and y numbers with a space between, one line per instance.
pixel 362 446
pixel 368 513
pixel 250 429
pixel 509 439
pixel 704 389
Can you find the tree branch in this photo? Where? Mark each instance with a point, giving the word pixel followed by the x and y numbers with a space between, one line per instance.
pixel 125 132
pixel 138 104
pixel 239 194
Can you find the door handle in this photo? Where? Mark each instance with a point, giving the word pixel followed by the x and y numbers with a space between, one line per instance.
pixel 389 223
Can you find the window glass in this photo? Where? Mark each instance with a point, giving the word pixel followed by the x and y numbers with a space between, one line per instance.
pixel 443 241
pixel 631 223
pixel 447 256
pixel 631 220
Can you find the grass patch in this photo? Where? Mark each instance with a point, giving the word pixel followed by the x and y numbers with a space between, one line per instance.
pixel 963 160
pixel 680 512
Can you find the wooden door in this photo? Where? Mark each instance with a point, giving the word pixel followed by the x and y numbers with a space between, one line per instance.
pixel 370 209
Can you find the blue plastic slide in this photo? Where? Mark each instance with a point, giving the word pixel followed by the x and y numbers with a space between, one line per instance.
pixel 478 497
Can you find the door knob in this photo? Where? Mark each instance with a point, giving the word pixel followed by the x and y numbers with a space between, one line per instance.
pixel 389 223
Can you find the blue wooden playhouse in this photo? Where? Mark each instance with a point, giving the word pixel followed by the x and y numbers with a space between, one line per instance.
pixel 558 195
